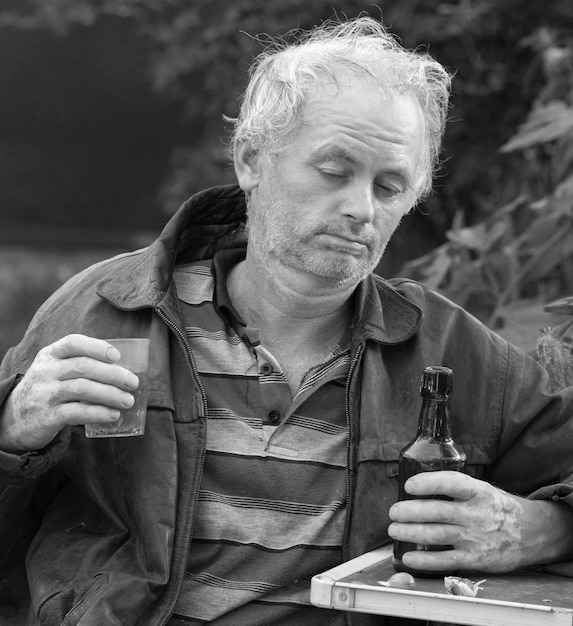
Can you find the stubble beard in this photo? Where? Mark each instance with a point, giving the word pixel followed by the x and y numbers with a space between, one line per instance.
pixel 274 239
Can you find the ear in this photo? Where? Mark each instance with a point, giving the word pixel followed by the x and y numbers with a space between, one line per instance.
pixel 247 162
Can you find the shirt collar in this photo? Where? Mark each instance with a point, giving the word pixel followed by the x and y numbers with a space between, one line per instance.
pixel 380 312
pixel 223 263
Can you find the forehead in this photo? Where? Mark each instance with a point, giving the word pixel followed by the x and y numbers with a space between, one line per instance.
pixel 362 120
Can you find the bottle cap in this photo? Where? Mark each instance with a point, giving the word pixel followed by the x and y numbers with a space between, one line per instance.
pixel 437 383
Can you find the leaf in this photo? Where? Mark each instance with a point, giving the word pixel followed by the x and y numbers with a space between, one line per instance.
pixel 564 191
pixel 540 230
pixel 550 226
pixel 522 321
pixel 563 160
pixel 557 360
pixel 471 237
pixel 432 268
pixel 545 123
pixel 438 269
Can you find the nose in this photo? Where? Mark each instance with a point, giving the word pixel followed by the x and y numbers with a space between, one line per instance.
pixel 360 204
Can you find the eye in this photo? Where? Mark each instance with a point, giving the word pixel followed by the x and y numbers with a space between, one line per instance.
pixel 332 172
pixel 388 190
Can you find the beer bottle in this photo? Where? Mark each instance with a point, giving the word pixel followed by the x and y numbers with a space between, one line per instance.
pixel 432 449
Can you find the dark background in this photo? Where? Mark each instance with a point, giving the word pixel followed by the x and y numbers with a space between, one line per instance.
pixel 111 115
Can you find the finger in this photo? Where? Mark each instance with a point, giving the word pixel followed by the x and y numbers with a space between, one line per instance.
pixel 82 345
pixel 85 367
pixel 89 391
pixel 75 413
pixel 426 511
pixel 436 560
pixel 454 485
pixel 426 534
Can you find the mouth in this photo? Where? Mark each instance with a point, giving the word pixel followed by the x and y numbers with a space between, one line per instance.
pixel 344 242
pixel 363 241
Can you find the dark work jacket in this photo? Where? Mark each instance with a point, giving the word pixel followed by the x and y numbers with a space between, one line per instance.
pixel 102 527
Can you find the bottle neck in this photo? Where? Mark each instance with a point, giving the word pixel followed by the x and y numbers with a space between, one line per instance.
pixel 434 422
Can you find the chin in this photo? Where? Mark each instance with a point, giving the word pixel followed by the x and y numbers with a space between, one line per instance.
pixel 342 276
pixel 332 270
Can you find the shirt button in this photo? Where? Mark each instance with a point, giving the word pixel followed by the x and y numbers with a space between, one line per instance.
pixel 274 417
pixel 266 369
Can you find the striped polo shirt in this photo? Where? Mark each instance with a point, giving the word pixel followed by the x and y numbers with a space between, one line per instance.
pixel 272 501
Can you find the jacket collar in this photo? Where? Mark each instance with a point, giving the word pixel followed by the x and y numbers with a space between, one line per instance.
pixel 214 219
pixel 382 314
pixel 211 219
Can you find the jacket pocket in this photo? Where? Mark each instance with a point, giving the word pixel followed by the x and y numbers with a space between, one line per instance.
pixel 188 407
pixel 159 405
pixel 66 606
pixel 376 489
pixel 480 456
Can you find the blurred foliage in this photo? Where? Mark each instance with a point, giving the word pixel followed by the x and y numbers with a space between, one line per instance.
pixel 27 278
pixel 500 221
pixel 555 356
pixel 524 248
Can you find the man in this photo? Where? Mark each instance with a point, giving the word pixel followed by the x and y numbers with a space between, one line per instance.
pixel 283 379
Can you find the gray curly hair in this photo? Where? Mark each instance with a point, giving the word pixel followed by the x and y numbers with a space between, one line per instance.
pixel 287 72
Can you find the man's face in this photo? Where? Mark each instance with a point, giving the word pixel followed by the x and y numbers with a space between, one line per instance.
pixel 323 210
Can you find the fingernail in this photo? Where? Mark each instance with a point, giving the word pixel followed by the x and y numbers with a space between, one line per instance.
pixel 112 354
pixel 131 381
pixel 127 400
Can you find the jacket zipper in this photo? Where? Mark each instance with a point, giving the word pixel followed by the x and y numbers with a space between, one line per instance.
pixel 195 373
pixel 192 363
pixel 349 455
pixel 348 617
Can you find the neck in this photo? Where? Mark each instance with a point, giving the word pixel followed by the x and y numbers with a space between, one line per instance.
pixel 280 306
